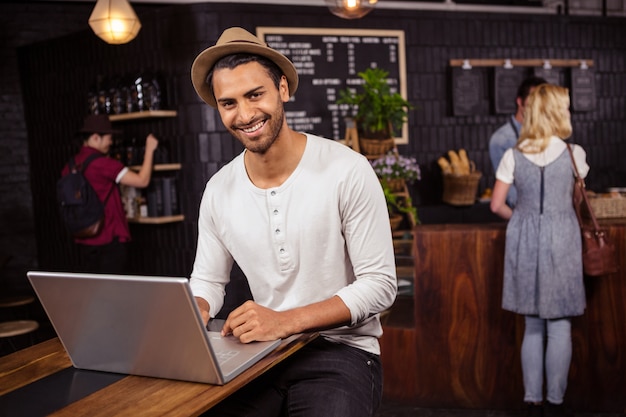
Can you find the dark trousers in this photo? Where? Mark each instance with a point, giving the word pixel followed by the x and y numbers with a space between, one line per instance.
pixel 322 379
pixel 111 258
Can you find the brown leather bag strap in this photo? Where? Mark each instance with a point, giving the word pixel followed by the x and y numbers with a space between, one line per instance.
pixel 581 183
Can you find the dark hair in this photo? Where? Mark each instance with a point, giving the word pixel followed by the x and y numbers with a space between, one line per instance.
pixel 234 60
pixel 524 88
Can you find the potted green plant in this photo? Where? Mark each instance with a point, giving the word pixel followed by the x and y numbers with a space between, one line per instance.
pixel 394 172
pixel 379 114
pixel 398 205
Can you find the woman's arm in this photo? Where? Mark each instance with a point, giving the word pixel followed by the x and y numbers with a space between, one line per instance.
pixel 498 200
pixel 141 179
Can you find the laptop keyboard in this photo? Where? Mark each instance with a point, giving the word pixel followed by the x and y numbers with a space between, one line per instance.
pixel 224 355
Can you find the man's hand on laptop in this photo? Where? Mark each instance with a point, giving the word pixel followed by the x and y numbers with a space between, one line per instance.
pixel 251 322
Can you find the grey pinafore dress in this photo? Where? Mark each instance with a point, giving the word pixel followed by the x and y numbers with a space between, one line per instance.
pixel 543 263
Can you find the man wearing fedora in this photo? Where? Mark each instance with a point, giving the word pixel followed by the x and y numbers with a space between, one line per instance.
pixel 305 218
pixel 107 251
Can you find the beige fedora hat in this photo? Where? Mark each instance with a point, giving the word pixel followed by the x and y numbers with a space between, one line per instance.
pixel 237 40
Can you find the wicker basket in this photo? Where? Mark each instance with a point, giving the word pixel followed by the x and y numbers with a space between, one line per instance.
pixel 375 147
pixel 608 207
pixel 460 190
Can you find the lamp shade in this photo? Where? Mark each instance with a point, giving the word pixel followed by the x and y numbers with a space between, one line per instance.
pixel 114 21
pixel 351 9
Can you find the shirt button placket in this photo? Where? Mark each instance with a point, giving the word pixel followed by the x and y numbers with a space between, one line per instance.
pixel 277 223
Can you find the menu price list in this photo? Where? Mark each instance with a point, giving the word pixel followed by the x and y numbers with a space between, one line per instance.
pixel 328 63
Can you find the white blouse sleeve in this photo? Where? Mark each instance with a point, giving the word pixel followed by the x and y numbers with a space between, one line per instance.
pixel 505 170
pixel 580 156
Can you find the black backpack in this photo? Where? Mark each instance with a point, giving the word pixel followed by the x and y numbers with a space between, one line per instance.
pixel 81 209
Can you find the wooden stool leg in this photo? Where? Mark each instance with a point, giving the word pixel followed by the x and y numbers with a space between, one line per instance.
pixel 352 136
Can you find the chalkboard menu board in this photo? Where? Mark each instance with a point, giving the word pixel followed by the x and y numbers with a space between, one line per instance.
pixel 551 75
pixel 583 90
pixel 506 82
pixel 328 61
pixel 466 88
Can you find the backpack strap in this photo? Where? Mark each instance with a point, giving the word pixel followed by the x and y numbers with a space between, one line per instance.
pixel 82 167
pixel 73 167
pixel 88 160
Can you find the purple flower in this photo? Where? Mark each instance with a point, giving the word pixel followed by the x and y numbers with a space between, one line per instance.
pixel 392 166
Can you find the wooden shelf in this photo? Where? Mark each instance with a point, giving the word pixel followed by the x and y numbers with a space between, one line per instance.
pixel 157 220
pixel 521 62
pixel 142 115
pixel 159 167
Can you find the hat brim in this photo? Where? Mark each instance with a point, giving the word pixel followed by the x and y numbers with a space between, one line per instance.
pixel 206 59
pixel 102 132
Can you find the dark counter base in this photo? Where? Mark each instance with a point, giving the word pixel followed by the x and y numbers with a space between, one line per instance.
pixel 461 350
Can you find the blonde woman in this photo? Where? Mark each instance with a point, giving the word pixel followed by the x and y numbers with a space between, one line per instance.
pixel 543 278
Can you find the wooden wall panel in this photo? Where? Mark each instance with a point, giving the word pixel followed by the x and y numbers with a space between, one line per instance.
pixel 458 320
pixel 598 372
pixel 400 364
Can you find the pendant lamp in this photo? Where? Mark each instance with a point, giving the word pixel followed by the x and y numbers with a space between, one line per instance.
pixel 351 9
pixel 114 21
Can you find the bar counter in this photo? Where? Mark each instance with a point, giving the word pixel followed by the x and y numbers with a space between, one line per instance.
pixel 460 349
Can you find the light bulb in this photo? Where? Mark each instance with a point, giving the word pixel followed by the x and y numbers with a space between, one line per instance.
pixel 114 21
pixel 350 9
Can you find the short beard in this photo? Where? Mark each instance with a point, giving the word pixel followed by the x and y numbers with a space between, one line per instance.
pixel 275 124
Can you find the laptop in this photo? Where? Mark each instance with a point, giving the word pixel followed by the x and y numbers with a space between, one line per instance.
pixel 140 325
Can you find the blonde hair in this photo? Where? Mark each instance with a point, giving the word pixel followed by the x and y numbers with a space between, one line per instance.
pixel 546 114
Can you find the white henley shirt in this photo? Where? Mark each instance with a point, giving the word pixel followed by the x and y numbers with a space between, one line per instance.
pixel 323 232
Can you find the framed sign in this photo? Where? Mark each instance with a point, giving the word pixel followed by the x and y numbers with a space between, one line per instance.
pixel 583 90
pixel 506 82
pixel 328 61
pixel 466 92
pixel 551 75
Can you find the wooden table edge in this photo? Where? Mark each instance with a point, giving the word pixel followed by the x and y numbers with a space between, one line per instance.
pixel 183 397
